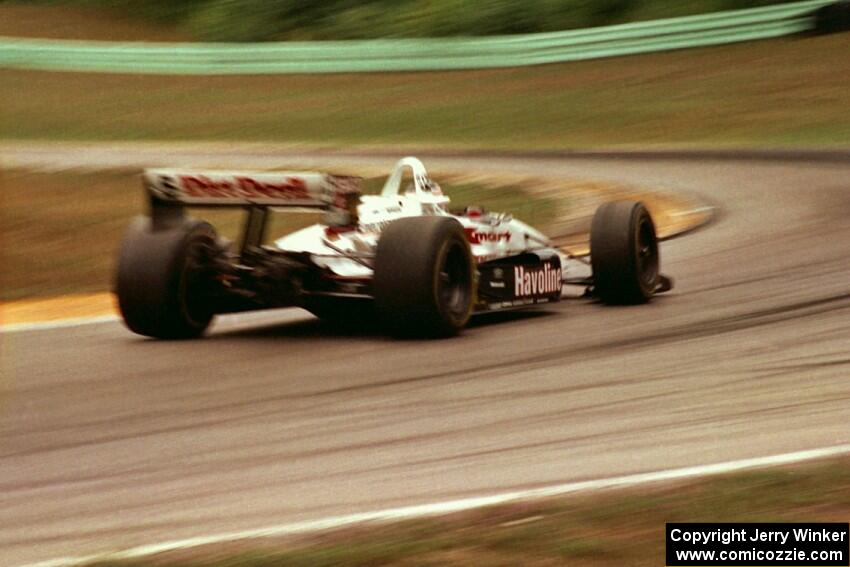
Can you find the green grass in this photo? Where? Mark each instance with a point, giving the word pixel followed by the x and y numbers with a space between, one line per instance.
pixel 59 232
pixel 789 92
pixel 606 530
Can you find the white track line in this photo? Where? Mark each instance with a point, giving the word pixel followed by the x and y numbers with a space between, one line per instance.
pixel 449 506
pixel 58 324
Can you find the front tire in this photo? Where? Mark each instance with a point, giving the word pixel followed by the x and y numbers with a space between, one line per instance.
pixel 424 277
pixel 624 253
pixel 162 276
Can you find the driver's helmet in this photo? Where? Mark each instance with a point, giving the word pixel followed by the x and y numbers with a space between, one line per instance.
pixel 431 193
pixel 433 187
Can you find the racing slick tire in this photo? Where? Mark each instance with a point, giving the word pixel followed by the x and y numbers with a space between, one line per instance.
pixel 161 276
pixel 424 282
pixel 624 253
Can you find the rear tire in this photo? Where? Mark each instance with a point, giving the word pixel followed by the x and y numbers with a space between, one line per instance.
pixel 424 277
pixel 161 277
pixel 624 253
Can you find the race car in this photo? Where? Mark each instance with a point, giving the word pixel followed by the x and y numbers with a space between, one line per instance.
pixel 402 258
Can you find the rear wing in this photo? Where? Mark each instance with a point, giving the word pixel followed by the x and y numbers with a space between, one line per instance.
pixel 242 188
pixel 170 191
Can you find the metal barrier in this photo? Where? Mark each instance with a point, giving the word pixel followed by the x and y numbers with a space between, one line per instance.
pixel 409 54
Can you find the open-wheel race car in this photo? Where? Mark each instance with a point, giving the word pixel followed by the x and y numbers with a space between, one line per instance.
pixel 400 258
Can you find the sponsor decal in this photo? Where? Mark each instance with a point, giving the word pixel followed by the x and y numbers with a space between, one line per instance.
pixel 474 236
pixel 201 186
pixel 345 183
pixel 375 227
pixel 536 281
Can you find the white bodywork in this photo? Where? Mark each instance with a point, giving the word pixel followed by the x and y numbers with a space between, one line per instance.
pixel 491 235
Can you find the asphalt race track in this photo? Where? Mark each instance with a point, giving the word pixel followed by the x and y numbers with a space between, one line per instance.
pixel 110 440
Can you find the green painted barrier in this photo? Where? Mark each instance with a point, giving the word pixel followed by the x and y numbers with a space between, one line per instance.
pixel 409 54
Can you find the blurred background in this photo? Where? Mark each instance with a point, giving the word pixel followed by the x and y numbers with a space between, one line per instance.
pixel 76 127
pixel 264 20
pixel 784 92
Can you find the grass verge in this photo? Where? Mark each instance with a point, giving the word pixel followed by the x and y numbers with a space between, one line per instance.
pixel 59 232
pixel 604 529
pixel 787 92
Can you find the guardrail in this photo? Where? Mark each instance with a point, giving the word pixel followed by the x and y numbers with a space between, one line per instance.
pixel 410 54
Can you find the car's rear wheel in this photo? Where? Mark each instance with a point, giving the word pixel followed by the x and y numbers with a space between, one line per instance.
pixel 624 253
pixel 162 279
pixel 424 277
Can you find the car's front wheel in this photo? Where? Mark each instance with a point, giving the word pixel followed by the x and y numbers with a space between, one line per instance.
pixel 624 253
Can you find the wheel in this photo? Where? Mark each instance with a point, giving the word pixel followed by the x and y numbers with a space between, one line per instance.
pixel 161 278
pixel 424 277
pixel 624 253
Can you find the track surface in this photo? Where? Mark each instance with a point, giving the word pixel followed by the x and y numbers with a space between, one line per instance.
pixel 110 440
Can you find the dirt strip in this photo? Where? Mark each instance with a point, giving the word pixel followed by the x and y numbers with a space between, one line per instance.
pixel 674 213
